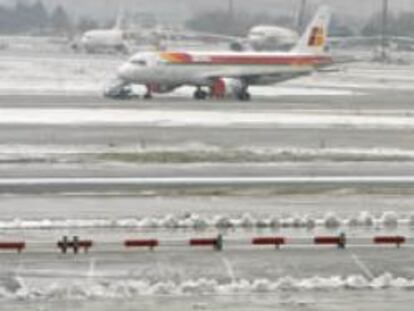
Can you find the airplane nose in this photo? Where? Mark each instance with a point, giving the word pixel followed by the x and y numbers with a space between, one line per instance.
pixel 125 71
pixel 255 39
pixel 84 40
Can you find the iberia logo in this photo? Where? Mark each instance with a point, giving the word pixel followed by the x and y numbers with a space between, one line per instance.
pixel 317 37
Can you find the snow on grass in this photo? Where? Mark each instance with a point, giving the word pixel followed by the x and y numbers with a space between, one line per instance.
pixel 388 219
pixel 60 75
pixel 15 288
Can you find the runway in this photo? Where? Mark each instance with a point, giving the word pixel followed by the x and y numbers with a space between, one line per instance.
pixel 314 127
pixel 137 185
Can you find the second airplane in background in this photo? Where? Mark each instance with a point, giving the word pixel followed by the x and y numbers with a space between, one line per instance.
pixel 218 74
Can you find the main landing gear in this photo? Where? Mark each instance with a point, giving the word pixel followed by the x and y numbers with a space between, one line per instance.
pixel 244 96
pixel 148 94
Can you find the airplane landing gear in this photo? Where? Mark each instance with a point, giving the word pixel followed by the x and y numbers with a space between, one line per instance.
pixel 243 94
pixel 199 94
pixel 148 94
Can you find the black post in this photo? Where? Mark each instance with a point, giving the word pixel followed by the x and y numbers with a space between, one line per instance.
pixel 231 15
pixel 342 241
pixel 65 244
pixel 75 244
pixel 219 243
pixel 384 31
pixel 301 15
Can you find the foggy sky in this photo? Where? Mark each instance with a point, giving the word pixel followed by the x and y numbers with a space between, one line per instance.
pixel 179 10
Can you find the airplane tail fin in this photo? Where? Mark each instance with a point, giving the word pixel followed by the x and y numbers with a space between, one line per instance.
pixel 315 37
pixel 119 20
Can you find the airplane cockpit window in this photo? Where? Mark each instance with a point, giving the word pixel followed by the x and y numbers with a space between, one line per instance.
pixel 139 62
pixel 257 33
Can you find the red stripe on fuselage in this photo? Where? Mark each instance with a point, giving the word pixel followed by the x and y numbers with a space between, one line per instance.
pixel 211 59
pixel 266 60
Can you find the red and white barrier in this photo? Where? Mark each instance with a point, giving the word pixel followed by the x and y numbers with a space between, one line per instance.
pixel 339 241
pixel 273 241
pixel 203 242
pixel 393 240
pixel 17 246
pixel 149 243
pixel 75 245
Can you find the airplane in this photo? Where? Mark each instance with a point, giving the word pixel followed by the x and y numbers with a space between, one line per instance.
pixel 269 37
pixel 117 39
pixel 121 40
pixel 259 38
pixel 103 40
pixel 266 37
pixel 224 73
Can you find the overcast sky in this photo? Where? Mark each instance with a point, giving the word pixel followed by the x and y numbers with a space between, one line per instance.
pixel 182 9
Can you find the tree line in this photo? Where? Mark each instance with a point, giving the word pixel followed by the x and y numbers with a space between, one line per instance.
pixel 401 24
pixel 36 19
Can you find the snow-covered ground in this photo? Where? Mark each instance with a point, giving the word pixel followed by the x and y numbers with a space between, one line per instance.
pixel 331 220
pixel 61 74
pixel 339 278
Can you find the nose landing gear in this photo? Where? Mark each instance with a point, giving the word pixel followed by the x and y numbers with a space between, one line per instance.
pixel 200 94
pixel 148 94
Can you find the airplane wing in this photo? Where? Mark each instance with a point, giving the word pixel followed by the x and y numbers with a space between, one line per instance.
pixel 210 36
pixel 186 35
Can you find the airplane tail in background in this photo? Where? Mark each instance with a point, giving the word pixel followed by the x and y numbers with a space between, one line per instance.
pixel 315 37
pixel 119 24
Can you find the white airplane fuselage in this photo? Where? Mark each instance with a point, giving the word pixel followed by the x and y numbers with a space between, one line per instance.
pixel 103 39
pixel 268 37
pixel 200 69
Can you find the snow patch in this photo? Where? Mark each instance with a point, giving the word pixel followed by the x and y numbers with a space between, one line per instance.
pixel 331 220
pixel 101 288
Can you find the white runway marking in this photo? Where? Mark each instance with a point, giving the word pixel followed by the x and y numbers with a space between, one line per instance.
pixel 172 118
pixel 212 181
pixel 368 273
pixel 229 269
